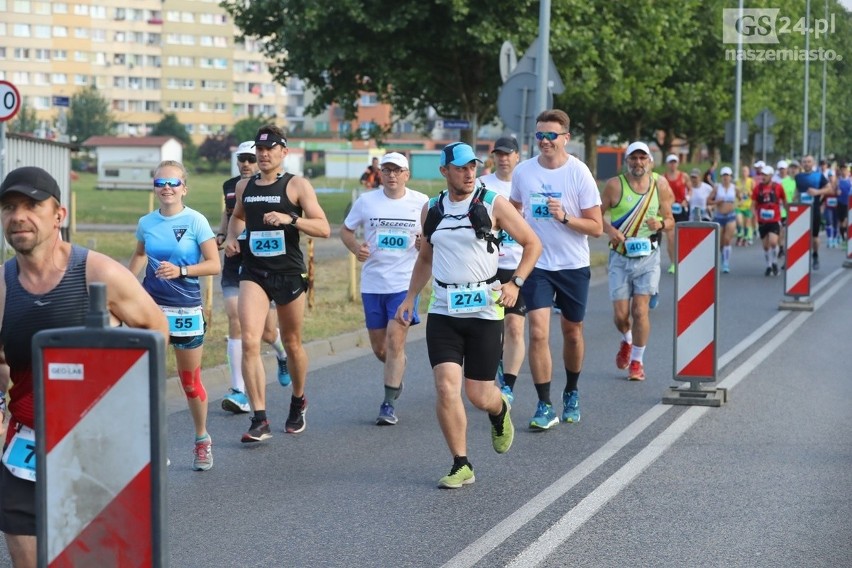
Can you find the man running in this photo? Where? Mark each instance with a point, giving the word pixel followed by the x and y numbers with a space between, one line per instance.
pixel 465 325
pixel 677 181
pixel 812 185
pixel 560 200
pixel 236 401
pixel 273 209
pixel 506 156
pixel 639 207
pixel 767 199
pixel 390 218
pixel 45 286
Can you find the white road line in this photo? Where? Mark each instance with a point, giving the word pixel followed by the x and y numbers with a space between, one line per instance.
pixel 478 549
pixel 560 531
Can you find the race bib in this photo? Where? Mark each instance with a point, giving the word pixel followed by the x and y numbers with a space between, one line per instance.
pixel 507 240
pixel 831 202
pixel 638 246
pixel 184 322
pixel 19 457
pixel 467 299
pixel 538 205
pixel 767 214
pixel 806 198
pixel 677 208
pixel 392 240
pixel 267 243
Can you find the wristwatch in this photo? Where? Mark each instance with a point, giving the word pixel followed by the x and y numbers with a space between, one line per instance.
pixel 183 272
pixel 564 220
pixel 293 218
pixel 517 281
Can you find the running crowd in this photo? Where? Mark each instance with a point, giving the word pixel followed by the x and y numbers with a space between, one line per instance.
pixel 500 249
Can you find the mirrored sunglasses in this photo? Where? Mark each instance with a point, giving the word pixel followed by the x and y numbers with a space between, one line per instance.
pixel 551 136
pixel 250 158
pixel 171 182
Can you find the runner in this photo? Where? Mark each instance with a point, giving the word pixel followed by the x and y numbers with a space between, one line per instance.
pixel 697 194
pixel 677 181
pixel 783 176
pixel 176 245
pixel 273 208
pixel 236 401
pixel 723 198
pixel 844 184
pixel 745 187
pixel 767 199
pixel 390 218
pixel 506 155
pixel 812 185
pixel 465 322
pixel 45 286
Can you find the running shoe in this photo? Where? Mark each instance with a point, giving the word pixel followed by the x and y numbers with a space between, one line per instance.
pixel 202 456
pixel 387 417
pixel 503 435
pixel 671 268
pixel 622 358
pixel 768 271
pixel 283 373
pixel 235 401
pixel 296 420
pixel 774 269
pixel 725 268
pixel 816 263
pixel 458 476
pixel 506 391
pixel 654 301
pixel 636 371
pixel 544 417
pixel 780 252
pixel 258 432
pixel 571 410
pixel 501 380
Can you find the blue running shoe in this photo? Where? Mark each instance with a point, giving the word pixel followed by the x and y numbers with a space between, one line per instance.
pixel 544 417
pixel 501 380
pixel 654 301
pixel 507 392
pixel 387 417
pixel 571 412
pixel 235 401
pixel 283 373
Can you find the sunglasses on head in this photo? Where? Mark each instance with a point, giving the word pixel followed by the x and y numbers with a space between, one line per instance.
pixel 171 182
pixel 548 135
pixel 250 158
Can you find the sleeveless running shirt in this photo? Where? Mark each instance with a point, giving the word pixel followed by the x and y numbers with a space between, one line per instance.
pixel 257 201
pixel 25 314
pixel 629 214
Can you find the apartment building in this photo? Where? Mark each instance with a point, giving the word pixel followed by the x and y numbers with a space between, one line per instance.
pixel 146 57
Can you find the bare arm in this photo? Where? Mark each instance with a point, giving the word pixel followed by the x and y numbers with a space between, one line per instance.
pixel 665 197
pixel 237 224
pixel 223 229
pixel 209 265
pixel 609 198
pixel 139 259
pixel 419 277
pixel 313 222
pixel 362 251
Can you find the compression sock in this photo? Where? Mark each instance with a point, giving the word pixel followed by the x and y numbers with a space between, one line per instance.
pixel 571 379
pixel 235 362
pixel 510 379
pixel 543 391
pixel 279 347
pixel 391 394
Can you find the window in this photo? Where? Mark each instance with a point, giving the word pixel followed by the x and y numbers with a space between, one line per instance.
pixel 368 99
pixel 135 83
pixel 152 106
pixel 206 41
pixel 119 105
pixel 22 6
pixel 81 9
pixel 42 32
pixel 60 31
pixel 21 30
pixel 119 82
pixel 59 7
pixel 152 83
pixel 98 35
pixel 40 79
pixel 40 103
pixel 41 54
pixel 187 39
pixel 81 33
pixel 60 54
pixel 98 12
pixel 220 41
pixel 21 78
pixel 22 53
pixel 2 29
pixel 81 56
pixel 172 16
pixel 58 78
pixel 2 56
pixel 41 8
pixel 187 17
pixel 172 38
pixel 81 80
pixel 220 63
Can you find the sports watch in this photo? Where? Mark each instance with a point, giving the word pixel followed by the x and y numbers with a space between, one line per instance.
pixel 517 281
pixel 183 272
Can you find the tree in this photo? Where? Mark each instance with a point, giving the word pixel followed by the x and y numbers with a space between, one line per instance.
pixel 169 125
pixel 89 115
pixel 343 48
pixel 26 122
pixel 246 129
pixel 216 149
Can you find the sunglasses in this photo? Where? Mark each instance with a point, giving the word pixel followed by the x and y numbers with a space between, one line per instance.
pixel 247 158
pixel 171 182
pixel 548 135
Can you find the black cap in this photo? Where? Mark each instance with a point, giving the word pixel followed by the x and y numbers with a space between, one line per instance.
pixel 269 139
pixel 33 182
pixel 506 144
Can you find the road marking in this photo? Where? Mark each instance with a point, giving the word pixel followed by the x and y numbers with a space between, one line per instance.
pixel 576 517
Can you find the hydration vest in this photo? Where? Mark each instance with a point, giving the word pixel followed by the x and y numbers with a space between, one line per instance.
pixel 480 221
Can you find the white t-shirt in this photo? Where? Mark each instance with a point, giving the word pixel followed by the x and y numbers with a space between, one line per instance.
pixel 573 183
pixel 698 196
pixel 510 251
pixel 390 227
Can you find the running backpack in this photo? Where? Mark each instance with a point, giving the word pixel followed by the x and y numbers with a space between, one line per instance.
pixel 480 221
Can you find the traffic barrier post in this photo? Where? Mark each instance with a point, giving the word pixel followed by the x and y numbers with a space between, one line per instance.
pixel 797 274
pixel 696 317
pixel 100 443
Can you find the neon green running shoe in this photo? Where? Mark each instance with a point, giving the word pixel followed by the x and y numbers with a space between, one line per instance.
pixel 503 435
pixel 457 477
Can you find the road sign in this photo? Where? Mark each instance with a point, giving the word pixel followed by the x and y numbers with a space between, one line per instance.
pixel 59 101
pixel 456 123
pixel 765 118
pixel 764 144
pixel 527 65
pixel 10 101
pixel 516 102
pixel 797 276
pixel 508 60
pixel 729 133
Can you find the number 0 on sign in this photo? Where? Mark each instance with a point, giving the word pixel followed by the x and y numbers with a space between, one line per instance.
pixel 10 101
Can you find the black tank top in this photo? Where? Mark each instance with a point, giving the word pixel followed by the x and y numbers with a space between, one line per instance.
pixel 26 314
pixel 229 188
pixel 259 200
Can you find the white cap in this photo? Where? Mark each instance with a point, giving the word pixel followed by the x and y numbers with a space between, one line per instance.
pixel 246 148
pixel 726 171
pixel 767 170
pixel 671 158
pixel 758 165
pixel 639 147
pixel 781 164
pixel 394 158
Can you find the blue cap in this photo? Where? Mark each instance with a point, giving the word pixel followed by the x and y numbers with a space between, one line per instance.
pixel 458 154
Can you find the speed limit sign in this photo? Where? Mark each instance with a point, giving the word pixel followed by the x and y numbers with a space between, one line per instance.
pixel 10 101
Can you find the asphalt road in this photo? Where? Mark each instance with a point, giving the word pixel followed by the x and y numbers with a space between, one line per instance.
pixel 762 481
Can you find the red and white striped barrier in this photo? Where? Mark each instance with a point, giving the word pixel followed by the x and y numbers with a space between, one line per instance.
pixel 696 313
pixel 797 275
pixel 100 455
